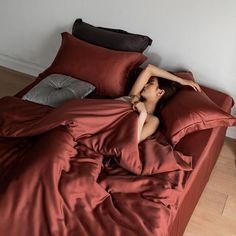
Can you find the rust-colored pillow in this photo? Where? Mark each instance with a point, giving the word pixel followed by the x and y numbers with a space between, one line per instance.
pixel 106 69
pixel 189 111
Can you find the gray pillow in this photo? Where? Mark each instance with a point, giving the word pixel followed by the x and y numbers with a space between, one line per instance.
pixel 56 89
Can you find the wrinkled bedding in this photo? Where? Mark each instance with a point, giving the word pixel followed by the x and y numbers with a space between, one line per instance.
pixel 78 170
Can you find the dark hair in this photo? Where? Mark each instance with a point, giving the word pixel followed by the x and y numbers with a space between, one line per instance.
pixel 170 88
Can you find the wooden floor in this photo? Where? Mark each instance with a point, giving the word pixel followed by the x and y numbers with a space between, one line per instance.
pixel 11 82
pixel 215 214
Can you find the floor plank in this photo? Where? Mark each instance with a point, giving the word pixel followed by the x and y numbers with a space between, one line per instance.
pixel 12 81
pixel 215 213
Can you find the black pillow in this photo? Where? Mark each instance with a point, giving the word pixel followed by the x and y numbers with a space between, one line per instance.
pixel 115 39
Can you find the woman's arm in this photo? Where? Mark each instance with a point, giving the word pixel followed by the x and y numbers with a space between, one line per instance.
pixel 146 127
pixel 141 121
pixel 155 71
pixel 140 82
pixel 152 70
pixel 149 128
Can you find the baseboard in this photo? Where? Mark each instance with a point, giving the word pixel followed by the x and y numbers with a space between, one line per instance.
pixel 231 132
pixel 17 65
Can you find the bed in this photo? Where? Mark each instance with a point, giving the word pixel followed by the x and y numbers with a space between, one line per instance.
pixel 77 169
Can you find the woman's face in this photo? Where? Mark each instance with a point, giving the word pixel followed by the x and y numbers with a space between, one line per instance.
pixel 150 89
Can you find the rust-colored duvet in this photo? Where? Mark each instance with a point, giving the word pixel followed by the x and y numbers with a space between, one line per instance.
pixel 78 170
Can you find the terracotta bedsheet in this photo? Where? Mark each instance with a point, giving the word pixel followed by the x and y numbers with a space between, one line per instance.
pixel 77 170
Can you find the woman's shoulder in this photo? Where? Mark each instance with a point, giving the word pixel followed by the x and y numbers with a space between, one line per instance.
pixel 152 121
pixel 152 118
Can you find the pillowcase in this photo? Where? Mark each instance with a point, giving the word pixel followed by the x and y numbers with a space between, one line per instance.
pixel 56 89
pixel 106 69
pixel 189 111
pixel 115 39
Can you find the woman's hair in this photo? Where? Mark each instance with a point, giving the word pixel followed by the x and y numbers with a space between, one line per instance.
pixel 170 88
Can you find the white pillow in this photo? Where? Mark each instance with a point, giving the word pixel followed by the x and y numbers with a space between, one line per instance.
pixel 56 89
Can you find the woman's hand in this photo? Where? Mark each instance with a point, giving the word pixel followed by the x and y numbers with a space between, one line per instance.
pixel 140 107
pixel 134 99
pixel 191 83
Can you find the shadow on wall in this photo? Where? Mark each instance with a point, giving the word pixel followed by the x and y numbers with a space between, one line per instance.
pixel 48 48
pixel 153 58
pixel 156 59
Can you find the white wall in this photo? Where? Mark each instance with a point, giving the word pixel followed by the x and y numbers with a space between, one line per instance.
pixel 187 34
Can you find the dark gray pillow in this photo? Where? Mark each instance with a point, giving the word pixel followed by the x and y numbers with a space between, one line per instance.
pixel 115 39
pixel 56 89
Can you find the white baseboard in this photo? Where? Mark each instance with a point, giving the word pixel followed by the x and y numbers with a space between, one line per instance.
pixel 231 132
pixel 21 66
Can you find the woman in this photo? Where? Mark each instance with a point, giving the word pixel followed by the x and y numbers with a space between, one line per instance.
pixel 153 91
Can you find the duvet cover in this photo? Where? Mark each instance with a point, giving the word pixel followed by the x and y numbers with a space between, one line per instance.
pixel 79 170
